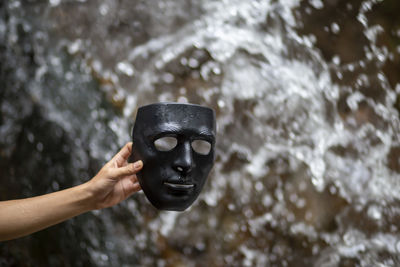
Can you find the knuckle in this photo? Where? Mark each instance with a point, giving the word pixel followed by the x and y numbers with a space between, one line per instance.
pixel 107 172
pixel 132 167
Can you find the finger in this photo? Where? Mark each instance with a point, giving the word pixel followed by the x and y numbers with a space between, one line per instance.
pixel 123 154
pixel 131 188
pixel 129 169
pixel 134 179
pixel 136 187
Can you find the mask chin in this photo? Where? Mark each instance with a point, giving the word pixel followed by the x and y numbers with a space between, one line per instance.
pixel 176 143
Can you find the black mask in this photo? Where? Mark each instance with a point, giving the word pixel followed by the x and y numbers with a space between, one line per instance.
pixel 176 144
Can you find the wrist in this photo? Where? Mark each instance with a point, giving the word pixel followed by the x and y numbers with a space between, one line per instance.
pixel 86 196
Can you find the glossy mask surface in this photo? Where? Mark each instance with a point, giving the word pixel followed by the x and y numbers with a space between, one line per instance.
pixel 176 144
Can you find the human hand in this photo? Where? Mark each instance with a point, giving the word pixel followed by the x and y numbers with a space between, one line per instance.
pixel 116 181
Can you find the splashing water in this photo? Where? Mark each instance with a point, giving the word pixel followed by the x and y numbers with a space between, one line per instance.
pixel 307 168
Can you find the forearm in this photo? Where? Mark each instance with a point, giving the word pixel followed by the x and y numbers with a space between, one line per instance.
pixel 24 216
pixel 115 182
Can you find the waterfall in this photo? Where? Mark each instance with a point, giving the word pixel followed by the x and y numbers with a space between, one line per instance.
pixel 307 98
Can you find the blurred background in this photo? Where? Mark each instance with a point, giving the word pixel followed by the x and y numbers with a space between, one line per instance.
pixel 307 97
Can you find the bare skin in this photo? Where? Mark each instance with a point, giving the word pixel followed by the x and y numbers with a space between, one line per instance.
pixel 115 182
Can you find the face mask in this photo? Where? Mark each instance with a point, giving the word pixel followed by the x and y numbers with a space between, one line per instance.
pixel 176 144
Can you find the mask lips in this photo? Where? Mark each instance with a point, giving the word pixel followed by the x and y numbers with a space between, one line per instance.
pixel 179 187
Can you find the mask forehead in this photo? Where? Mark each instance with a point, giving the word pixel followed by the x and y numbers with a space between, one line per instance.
pixel 175 118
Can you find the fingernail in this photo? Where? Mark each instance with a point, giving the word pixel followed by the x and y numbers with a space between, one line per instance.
pixel 138 164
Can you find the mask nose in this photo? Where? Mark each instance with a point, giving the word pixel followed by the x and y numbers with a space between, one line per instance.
pixel 184 159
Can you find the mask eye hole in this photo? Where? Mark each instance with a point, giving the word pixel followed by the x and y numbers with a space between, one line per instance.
pixel 202 147
pixel 166 143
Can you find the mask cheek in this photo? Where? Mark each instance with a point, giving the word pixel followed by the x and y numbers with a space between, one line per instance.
pixel 203 167
pixel 156 166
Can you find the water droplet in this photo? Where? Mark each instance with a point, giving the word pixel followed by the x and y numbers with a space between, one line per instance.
pixel 336 60
pixel 381 77
pixel 104 9
pixel 55 186
pixel 104 257
pixel 398 246
pixel 55 2
pixel 97 66
pixel 55 61
pixel 259 186
pixel 69 76
pixel 335 28
pixel 301 203
pixel 200 246
pixel 14 4
pixel 31 137
pixel 39 147
pixel 193 63
pixel 374 212
pixel 182 90
pixel 248 213
pixel 182 99
pixel 216 70
pixel 332 190
pixel 318 4
pixel 75 46
pixel 168 77
pixel 318 182
pixel 184 61
pixel 267 201
pixel 126 68
pixel 353 100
